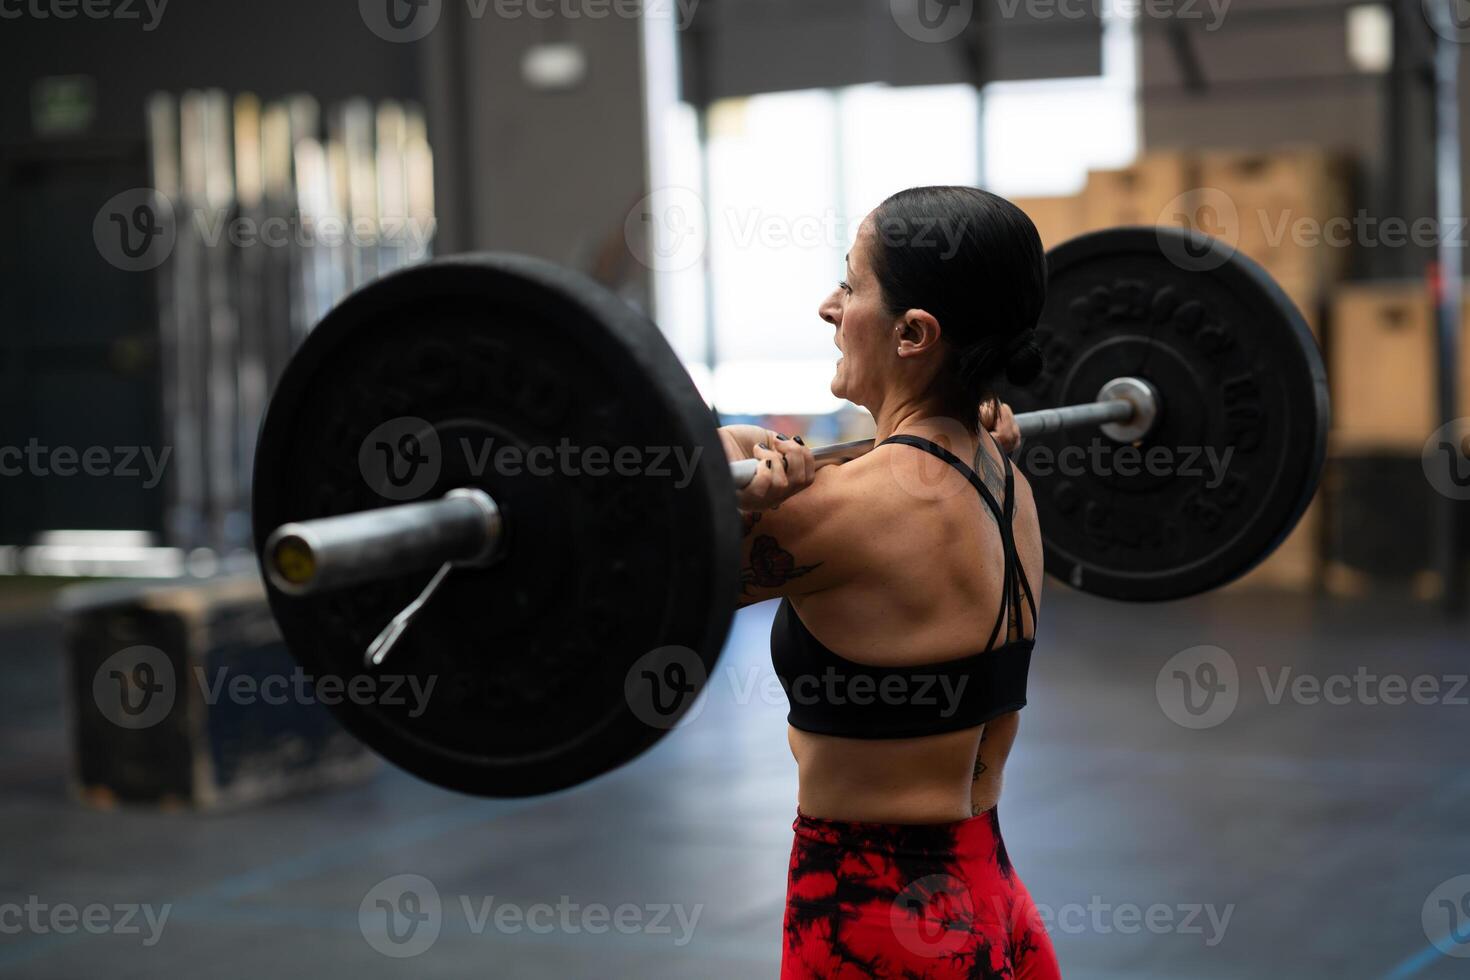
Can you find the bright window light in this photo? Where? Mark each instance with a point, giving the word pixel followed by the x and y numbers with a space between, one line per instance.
pixel 788 176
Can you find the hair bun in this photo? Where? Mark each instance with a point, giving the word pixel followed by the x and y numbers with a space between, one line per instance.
pixel 1023 359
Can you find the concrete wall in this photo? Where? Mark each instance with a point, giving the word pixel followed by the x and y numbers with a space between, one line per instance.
pixel 551 173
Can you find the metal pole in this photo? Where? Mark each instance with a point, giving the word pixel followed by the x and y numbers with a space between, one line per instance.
pixel 1031 424
pixel 1448 282
pixel 707 260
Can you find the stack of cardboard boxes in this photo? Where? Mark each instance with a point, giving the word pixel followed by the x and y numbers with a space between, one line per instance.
pixel 1279 208
pixel 1289 209
pixel 1383 374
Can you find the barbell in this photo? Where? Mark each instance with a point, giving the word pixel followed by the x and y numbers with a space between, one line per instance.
pixel 463 528
pixel 396 486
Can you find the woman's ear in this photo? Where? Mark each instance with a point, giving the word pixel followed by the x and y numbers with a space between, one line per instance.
pixel 916 332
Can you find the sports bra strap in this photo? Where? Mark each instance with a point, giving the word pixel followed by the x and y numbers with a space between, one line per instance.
pixel 939 452
pixel 1014 583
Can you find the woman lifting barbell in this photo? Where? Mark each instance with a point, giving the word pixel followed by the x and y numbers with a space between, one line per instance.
pixel 908 606
pixel 1158 337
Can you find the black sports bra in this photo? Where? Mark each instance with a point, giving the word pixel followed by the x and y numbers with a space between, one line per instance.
pixel 831 695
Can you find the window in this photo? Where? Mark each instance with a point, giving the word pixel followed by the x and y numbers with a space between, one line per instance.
pixel 791 175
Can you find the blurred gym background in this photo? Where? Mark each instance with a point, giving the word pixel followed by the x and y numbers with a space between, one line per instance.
pixel 190 187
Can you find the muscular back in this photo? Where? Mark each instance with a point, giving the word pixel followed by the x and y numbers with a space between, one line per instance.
pixel 900 564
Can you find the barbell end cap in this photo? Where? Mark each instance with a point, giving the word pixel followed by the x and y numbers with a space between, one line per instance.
pixel 1144 398
pixel 291 563
pixel 494 526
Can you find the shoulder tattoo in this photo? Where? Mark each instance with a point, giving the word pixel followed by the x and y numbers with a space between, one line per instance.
pixel 771 566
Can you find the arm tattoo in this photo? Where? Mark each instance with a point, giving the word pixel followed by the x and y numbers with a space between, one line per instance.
pixel 979 767
pixel 748 521
pixel 771 566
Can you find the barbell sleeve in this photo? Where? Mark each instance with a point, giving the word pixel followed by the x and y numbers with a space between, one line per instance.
pixel 464 526
pixel 305 557
pixel 1046 420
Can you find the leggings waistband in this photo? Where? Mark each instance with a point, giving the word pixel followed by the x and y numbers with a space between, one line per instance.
pixel 976 837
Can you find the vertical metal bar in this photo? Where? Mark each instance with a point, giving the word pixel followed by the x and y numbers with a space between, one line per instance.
pixel 164 162
pixel 1398 92
pixel 390 131
pixel 252 371
pixel 229 520
pixel 192 515
pixel 279 207
pixel 839 161
pixel 1451 269
pixel 706 188
pixel 418 168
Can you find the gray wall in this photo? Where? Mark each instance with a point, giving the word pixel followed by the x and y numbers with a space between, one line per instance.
pixel 551 173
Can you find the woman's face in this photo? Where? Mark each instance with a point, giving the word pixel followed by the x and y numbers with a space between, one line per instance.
pixel 865 330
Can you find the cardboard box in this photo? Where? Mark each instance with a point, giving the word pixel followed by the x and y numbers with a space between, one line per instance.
pixel 1296 564
pixel 1290 209
pixel 1310 296
pixel 1145 193
pixel 1382 367
pixel 1056 218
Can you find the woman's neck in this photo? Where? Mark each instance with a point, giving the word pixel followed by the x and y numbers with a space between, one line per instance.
pixel 916 417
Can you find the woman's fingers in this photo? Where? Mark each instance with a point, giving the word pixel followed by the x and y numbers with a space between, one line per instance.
pixel 783 467
pixel 771 461
pixel 800 465
pixel 1005 428
pixel 987 414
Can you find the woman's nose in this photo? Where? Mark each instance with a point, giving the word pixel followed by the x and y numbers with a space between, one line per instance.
pixel 828 310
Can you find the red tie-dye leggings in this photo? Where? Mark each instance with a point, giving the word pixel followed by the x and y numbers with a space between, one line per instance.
pixel 913 901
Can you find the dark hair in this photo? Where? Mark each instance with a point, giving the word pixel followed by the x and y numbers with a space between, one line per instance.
pixel 974 261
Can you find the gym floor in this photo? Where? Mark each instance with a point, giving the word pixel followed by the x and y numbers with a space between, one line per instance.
pixel 1291 839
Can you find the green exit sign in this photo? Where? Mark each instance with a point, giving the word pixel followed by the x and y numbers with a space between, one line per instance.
pixel 63 105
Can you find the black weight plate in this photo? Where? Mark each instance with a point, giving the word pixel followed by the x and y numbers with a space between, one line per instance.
pixel 1242 431
pixel 606 564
